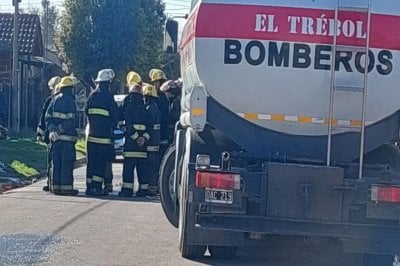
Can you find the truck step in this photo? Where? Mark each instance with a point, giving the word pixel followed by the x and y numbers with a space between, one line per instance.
pixel 353 9
pixel 349 88
pixel 348 48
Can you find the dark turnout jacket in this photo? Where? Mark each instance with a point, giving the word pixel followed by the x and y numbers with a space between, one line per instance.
pixel 154 124
pixel 60 116
pixel 136 123
pixel 102 113
pixel 41 128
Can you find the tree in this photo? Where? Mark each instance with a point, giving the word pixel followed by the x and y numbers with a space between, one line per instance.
pixel 150 36
pixel 52 22
pixel 117 34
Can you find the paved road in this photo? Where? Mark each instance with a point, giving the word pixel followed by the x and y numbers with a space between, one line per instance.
pixel 42 229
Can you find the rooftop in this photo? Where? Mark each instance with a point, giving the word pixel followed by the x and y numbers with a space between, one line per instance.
pixel 30 35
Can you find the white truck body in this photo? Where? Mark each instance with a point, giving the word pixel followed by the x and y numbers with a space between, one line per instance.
pixel 269 61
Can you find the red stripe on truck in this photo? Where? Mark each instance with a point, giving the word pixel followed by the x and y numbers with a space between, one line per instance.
pixel 293 25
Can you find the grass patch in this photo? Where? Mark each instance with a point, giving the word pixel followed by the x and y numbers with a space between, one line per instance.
pixel 24 156
pixel 23 169
pixel 27 158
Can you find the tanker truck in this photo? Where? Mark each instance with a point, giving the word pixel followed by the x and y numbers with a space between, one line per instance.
pixel 290 112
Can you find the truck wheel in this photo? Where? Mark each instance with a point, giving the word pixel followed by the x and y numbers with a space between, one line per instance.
pixel 187 251
pixel 166 185
pixel 378 260
pixel 222 252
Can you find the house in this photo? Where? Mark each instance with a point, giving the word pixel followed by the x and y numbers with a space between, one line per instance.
pixel 31 79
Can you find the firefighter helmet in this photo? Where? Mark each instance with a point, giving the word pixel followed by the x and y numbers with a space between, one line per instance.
pixel 105 75
pixel 133 77
pixel 135 88
pixel 157 74
pixel 53 82
pixel 150 90
pixel 66 81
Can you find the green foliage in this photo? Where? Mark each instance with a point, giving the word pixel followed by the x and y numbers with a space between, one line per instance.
pixel 52 23
pixel 117 34
pixel 24 156
pixel 23 169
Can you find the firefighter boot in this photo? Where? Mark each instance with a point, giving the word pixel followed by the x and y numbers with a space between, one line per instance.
pixel 108 188
pixel 125 193
pixel 94 190
pixel 143 190
pixel 152 191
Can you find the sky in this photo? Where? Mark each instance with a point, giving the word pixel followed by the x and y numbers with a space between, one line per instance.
pixel 173 7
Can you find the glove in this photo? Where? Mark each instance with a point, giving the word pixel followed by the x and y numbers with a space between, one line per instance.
pixel 166 86
pixel 53 136
pixel 141 141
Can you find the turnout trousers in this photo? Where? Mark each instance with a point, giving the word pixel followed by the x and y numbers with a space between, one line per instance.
pixel 151 169
pixel 63 159
pixel 99 158
pixel 128 172
pixel 49 165
pixel 109 175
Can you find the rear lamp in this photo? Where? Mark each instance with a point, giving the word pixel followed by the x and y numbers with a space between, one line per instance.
pixel 381 193
pixel 217 180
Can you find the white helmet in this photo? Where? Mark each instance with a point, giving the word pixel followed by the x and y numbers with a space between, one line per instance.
pixel 105 75
pixel 53 82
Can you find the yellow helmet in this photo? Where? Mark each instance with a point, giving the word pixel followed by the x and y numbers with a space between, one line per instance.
pixel 150 90
pixel 133 77
pixel 53 82
pixel 157 74
pixel 66 82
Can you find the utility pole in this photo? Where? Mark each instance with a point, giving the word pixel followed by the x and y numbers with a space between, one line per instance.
pixel 45 6
pixel 15 86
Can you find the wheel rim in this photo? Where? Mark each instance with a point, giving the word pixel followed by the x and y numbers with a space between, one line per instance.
pixel 171 186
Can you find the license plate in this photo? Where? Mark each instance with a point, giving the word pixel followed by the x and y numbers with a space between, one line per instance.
pixel 219 196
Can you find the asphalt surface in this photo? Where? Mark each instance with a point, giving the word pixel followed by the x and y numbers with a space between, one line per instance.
pixel 38 228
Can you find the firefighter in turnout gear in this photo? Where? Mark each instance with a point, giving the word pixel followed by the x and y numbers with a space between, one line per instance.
pixel 102 113
pixel 42 135
pixel 133 78
pixel 136 138
pixel 158 78
pixel 173 91
pixel 153 146
pixel 60 123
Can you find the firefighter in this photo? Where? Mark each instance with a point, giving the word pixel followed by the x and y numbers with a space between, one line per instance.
pixel 136 138
pixel 102 114
pixel 60 123
pixel 173 91
pixel 153 146
pixel 133 78
pixel 42 135
pixel 158 78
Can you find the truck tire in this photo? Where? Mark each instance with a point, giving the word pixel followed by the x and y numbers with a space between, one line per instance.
pixel 168 201
pixel 378 260
pixel 187 251
pixel 223 252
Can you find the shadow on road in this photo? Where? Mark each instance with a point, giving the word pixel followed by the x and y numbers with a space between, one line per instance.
pixel 114 197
